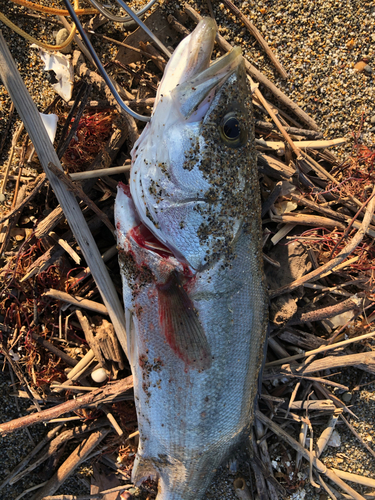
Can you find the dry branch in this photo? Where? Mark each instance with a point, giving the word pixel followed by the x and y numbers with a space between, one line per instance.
pixel 93 398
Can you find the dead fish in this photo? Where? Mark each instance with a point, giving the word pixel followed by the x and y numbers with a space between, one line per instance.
pixel 189 240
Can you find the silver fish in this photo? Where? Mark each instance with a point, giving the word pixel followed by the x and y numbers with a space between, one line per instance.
pixel 189 233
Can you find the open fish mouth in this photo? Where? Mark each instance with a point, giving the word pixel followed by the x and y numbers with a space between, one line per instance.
pixel 190 77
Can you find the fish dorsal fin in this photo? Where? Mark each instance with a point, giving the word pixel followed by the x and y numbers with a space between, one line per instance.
pixel 180 324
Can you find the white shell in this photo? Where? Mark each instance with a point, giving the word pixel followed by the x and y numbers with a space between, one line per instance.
pixel 99 375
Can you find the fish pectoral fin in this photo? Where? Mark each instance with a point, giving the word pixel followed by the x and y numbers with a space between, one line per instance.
pixel 181 326
pixel 143 469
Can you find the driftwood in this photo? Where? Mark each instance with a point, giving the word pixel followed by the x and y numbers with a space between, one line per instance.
pixel 93 398
pixel 78 456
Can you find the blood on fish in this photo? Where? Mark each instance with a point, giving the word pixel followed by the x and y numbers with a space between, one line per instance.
pixel 125 188
pixel 145 239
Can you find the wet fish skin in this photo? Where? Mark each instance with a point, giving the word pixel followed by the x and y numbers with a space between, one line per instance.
pixel 189 234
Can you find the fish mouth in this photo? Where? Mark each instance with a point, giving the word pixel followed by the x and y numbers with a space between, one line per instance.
pixel 190 78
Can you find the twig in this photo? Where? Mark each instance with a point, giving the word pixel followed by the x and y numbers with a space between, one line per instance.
pixel 13 213
pixel 268 126
pixel 29 490
pixel 354 303
pixel 155 58
pixel 180 28
pixel 307 455
pixel 326 434
pixel 76 301
pixel 93 398
pixel 55 444
pixel 82 97
pixel 266 460
pixel 307 220
pixel 11 154
pixel 71 463
pixel 256 34
pixel 7 127
pixel 65 178
pixel 320 404
pixel 55 350
pixel 321 349
pixel 50 435
pixel 355 478
pixel 344 254
pixel 95 174
pixel 95 496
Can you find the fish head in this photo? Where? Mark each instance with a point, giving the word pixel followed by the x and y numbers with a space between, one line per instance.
pixel 192 165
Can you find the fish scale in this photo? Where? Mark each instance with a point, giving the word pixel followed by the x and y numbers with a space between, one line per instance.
pixel 191 264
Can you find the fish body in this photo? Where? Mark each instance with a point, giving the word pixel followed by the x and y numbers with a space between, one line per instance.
pixel 189 240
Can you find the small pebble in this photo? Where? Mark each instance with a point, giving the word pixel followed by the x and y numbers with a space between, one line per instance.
pixel 61 36
pixel 99 375
pixel 347 397
pixel 368 69
pixel 360 66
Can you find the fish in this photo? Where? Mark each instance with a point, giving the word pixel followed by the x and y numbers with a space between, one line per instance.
pixel 189 240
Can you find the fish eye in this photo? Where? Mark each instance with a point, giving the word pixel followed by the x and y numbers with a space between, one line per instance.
pixel 232 132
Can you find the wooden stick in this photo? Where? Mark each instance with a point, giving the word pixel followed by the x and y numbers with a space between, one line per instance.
pixel 269 127
pixel 344 254
pixel 327 432
pixel 55 350
pixel 76 301
pixel 320 404
pixel 280 146
pixel 308 220
pixel 39 137
pixel 94 174
pixel 71 463
pixel 95 496
pixel 56 443
pixel 355 478
pixel 256 34
pixel 354 303
pixel 307 455
pixel 93 398
pixel 13 213
pixel 77 191
pixel 252 71
pixel 321 349
pixel 50 435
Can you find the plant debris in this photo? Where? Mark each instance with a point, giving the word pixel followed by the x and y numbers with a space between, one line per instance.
pixel 61 332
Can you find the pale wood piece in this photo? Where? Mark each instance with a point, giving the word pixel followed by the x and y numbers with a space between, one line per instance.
pixel 71 463
pixel 327 432
pixel 76 301
pixel 39 137
pixel 321 349
pixel 94 174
